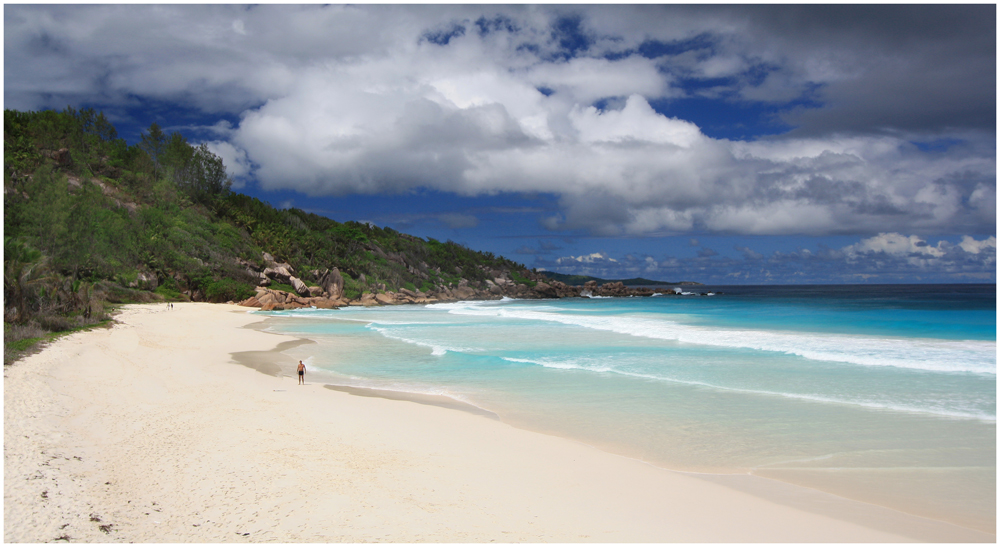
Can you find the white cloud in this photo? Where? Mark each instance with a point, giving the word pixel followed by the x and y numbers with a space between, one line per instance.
pixel 917 253
pixel 885 258
pixel 587 79
pixel 896 244
pixel 586 259
pixel 637 121
pixel 651 265
pixel 970 245
pixel 344 99
pixel 237 164
pixel 468 118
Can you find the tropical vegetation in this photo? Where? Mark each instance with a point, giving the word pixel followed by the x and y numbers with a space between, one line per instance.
pixel 91 221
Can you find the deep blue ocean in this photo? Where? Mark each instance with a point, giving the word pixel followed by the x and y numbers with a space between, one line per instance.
pixel 882 393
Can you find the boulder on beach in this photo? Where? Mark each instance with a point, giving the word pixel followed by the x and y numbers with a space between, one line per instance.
pixel 251 302
pixel 324 303
pixel 300 287
pixel 332 283
pixel 268 297
pixel 463 293
pixel 545 290
pixel 408 292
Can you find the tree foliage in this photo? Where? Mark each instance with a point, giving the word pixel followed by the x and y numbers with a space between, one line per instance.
pixel 90 217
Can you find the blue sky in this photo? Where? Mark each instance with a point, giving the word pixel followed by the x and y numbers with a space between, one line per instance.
pixel 722 144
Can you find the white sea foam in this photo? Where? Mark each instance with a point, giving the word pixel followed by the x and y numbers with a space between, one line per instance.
pixel 436 348
pixel 938 410
pixel 976 356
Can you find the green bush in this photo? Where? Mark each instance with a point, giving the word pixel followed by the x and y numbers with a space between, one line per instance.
pixel 282 287
pixel 116 294
pixel 518 278
pixel 168 293
pixel 351 294
pixel 224 290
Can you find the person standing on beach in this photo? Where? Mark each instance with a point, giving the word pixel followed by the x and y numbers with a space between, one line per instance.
pixel 302 374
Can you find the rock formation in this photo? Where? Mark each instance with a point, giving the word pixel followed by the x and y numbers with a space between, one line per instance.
pixel 329 292
pixel 299 285
pixel 332 283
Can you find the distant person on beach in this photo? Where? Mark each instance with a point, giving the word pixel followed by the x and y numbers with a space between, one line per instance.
pixel 302 374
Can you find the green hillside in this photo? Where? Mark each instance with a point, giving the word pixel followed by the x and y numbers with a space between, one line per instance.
pixel 90 220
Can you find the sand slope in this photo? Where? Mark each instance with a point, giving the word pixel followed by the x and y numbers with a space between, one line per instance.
pixel 149 430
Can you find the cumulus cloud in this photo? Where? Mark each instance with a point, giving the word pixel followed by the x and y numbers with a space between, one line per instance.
pixel 475 100
pixel 900 245
pixel 476 123
pixel 236 161
pixel 885 258
pixel 585 259
pixel 637 121
pixel 971 246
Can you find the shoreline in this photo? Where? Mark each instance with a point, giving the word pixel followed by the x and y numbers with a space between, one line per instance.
pixel 809 498
pixel 150 429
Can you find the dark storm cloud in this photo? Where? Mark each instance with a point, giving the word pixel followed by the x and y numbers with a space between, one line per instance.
pixel 919 68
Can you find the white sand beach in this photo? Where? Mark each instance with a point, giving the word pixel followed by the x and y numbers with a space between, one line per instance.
pixel 150 432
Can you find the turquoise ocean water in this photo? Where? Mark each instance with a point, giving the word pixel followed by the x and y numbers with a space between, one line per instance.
pixel 884 394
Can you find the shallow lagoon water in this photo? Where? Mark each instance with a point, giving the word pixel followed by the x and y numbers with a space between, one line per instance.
pixel 885 394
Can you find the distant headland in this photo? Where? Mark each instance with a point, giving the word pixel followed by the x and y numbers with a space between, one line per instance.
pixel 279 289
pixel 570 279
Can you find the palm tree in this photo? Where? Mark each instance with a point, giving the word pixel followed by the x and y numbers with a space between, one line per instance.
pixel 24 272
